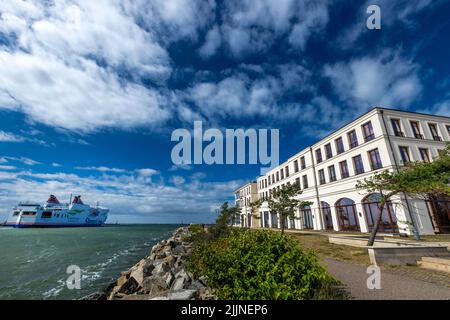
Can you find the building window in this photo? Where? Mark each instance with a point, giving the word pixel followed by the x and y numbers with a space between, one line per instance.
pixel 344 169
pixel 448 129
pixel 273 178
pixel 339 145
pixel 396 128
pixel 332 173
pixel 434 132
pixel 352 139
pixel 318 156
pixel 269 180
pixel 297 181
pixel 302 162
pixel 368 131
pixel 305 181
pixel 286 171
pixel 278 176
pixel 328 151
pixel 282 174
pixel 404 154
pixel 375 160
pixel 416 130
pixel 424 154
pixel 358 164
pixel 296 166
pixel 321 176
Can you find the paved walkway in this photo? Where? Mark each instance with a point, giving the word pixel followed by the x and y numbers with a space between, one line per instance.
pixel 393 286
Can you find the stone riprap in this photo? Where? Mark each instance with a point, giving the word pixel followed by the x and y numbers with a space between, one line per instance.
pixel 161 275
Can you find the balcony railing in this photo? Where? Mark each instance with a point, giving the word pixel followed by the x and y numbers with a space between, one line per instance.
pixel 437 138
pixel 369 137
pixel 418 136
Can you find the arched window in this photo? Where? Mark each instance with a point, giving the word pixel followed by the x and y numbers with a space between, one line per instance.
pixel 388 218
pixel 306 219
pixel 346 213
pixel 326 212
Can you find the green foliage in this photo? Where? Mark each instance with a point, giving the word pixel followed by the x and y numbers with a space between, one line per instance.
pixel 285 204
pixel 260 264
pixel 195 228
pixel 424 179
pixel 415 178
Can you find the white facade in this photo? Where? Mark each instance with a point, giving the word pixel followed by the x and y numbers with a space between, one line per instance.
pixel 243 196
pixel 383 138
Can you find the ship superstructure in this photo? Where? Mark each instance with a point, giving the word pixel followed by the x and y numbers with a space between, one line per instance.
pixel 56 214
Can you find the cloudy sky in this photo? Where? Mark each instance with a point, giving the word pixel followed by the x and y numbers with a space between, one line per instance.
pixel 90 91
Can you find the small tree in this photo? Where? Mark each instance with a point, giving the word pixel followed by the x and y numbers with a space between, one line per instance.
pixel 284 204
pixel 233 213
pixel 254 208
pixel 422 179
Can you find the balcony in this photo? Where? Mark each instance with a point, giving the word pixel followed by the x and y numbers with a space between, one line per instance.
pixel 399 134
pixel 353 144
pixel 369 137
pixel 437 138
pixel 418 136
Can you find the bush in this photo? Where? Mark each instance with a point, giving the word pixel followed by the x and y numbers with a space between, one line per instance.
pixel 260 264
pixel 195 228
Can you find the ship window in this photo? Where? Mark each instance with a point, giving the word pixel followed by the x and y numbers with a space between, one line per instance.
pixel 46 214
pixel 16 213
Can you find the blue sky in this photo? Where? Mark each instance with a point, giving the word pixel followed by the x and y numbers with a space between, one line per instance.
pixel 90 91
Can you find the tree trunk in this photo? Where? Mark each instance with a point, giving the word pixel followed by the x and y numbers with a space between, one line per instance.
pixel 377 224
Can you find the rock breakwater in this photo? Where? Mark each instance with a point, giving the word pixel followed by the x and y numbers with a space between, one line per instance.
pixel 162 275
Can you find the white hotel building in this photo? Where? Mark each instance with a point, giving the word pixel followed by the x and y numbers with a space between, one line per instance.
pixel 329 170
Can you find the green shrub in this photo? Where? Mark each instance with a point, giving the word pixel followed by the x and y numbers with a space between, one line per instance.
pixel 195 228
pixel 260 264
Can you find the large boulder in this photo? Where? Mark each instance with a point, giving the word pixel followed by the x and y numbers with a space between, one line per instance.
pixel 179 250
pixel 182 295
pixel 161 269
pixel 129 286
pixel 168 277
pixel 154 285
pixel 170 260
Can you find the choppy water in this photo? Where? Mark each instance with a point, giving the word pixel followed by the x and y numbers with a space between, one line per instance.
pixel 33 262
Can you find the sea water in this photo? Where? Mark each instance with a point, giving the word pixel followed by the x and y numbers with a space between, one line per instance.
pixel 34 261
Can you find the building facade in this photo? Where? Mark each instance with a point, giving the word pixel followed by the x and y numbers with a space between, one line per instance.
pixel 243 196
pixel 381 139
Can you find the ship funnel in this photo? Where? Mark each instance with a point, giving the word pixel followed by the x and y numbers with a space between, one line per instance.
pixel 52 199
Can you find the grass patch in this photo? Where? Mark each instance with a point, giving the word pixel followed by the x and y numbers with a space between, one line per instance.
pixel 320 245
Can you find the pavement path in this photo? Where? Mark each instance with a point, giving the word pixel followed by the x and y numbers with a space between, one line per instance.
pixel 393 286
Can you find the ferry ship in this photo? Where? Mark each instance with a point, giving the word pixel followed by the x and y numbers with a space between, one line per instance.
pixel 56 214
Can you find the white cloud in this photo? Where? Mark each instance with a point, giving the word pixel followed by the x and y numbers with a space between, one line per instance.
pixel 255 26
pixel 441 108
pixel 65 67
pixel 239 97
pixel 212 43
pixel 386 80
pixel 23 160
pixel 10 137
pixel 102 169
pixel 3 167
pixel 147 172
